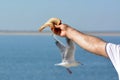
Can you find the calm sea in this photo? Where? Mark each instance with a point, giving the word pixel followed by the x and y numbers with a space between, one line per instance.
pixel 33 58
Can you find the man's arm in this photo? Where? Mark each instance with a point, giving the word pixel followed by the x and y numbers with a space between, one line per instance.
pixel 90 43
pixel 87 42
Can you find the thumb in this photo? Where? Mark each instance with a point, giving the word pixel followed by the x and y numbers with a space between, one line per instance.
pixel 57 26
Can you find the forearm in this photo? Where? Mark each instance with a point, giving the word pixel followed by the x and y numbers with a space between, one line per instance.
pixel 87 42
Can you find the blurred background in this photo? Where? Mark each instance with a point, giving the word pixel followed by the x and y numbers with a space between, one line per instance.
pixel 28 57
pixel 85 15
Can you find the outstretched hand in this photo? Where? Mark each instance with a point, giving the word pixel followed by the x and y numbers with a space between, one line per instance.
pixel 60 30
pixel 56 27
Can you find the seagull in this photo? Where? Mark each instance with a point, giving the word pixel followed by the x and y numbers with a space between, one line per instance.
pixel 67 53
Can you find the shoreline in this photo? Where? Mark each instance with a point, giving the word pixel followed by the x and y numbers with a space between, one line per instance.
pixel 49 33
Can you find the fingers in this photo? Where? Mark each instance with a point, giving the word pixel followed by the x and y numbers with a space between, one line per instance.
pixel 57 26
pixel 55 30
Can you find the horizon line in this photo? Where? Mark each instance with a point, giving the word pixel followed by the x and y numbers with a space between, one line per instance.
pixel 95 33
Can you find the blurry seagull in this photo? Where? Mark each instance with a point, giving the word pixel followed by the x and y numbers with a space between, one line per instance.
pixel 67 53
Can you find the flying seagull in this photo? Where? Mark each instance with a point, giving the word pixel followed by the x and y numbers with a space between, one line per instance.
pixel 67 53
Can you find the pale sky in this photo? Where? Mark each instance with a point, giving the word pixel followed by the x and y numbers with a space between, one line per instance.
pixel 85 15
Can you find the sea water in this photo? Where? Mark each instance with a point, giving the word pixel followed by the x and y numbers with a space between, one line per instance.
pixel 33 58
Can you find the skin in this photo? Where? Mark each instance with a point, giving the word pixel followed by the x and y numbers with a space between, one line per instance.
pixel 88 42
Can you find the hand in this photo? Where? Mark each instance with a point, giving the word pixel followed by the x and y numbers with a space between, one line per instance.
pixel 60 30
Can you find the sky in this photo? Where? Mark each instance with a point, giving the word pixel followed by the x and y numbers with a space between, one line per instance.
pixel 84 15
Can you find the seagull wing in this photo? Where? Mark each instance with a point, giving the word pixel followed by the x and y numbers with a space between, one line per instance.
pixel 60 45
pixel 69 71
pixel 69 55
